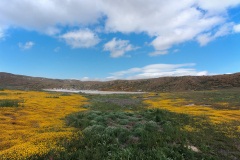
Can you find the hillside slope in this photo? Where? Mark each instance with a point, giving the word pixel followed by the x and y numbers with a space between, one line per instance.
pixel 163 84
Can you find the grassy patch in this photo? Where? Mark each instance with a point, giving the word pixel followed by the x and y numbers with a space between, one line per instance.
pixel 52 96
pixel 149 134
pixel 218 99
pixel 115 102
pixel 124 135
pixel 121 127
pixel 9 103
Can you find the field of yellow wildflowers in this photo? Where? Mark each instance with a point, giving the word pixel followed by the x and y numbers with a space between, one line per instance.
pixel 221 108
pixel 35 126
pixel 180 125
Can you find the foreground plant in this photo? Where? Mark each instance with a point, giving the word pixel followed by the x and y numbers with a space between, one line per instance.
pixel 113 129
pixel 124 135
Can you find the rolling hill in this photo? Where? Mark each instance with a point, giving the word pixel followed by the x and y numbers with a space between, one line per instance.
pixel 162 84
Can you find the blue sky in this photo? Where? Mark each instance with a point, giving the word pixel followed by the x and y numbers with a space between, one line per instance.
pixel 120 39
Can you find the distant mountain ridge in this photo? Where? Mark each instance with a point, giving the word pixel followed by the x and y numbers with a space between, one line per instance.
pixel 162 84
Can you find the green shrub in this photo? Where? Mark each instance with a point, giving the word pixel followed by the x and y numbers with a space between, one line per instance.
pixel 52 97
pixel 120 135
pixel 9 103
pixel 123 121
pixel 108 132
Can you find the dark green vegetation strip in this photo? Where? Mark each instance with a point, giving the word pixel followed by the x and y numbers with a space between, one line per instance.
pixel 123 135
pixel 115 103
pixel 9 103
pixel 52 97
pixel 110 131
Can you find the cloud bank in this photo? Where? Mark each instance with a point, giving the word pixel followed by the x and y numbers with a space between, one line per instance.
pixel 158 70
pixel 169 23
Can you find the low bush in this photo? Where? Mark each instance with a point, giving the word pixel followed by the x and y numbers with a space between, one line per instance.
pixel 120 135
pixel 9 103
pixel 52 97
pixel 116 128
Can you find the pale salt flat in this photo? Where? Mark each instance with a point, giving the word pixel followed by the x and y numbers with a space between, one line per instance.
pixel 92 91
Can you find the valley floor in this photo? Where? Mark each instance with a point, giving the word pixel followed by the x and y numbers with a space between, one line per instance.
pixel 180 125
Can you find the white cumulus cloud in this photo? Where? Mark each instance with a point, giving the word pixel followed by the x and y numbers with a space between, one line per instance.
pixel 81 38
pixel 46 15
pixel 169 23
pixel 26 46
pixel 214 6
pixel 118 47
pixel 158 70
